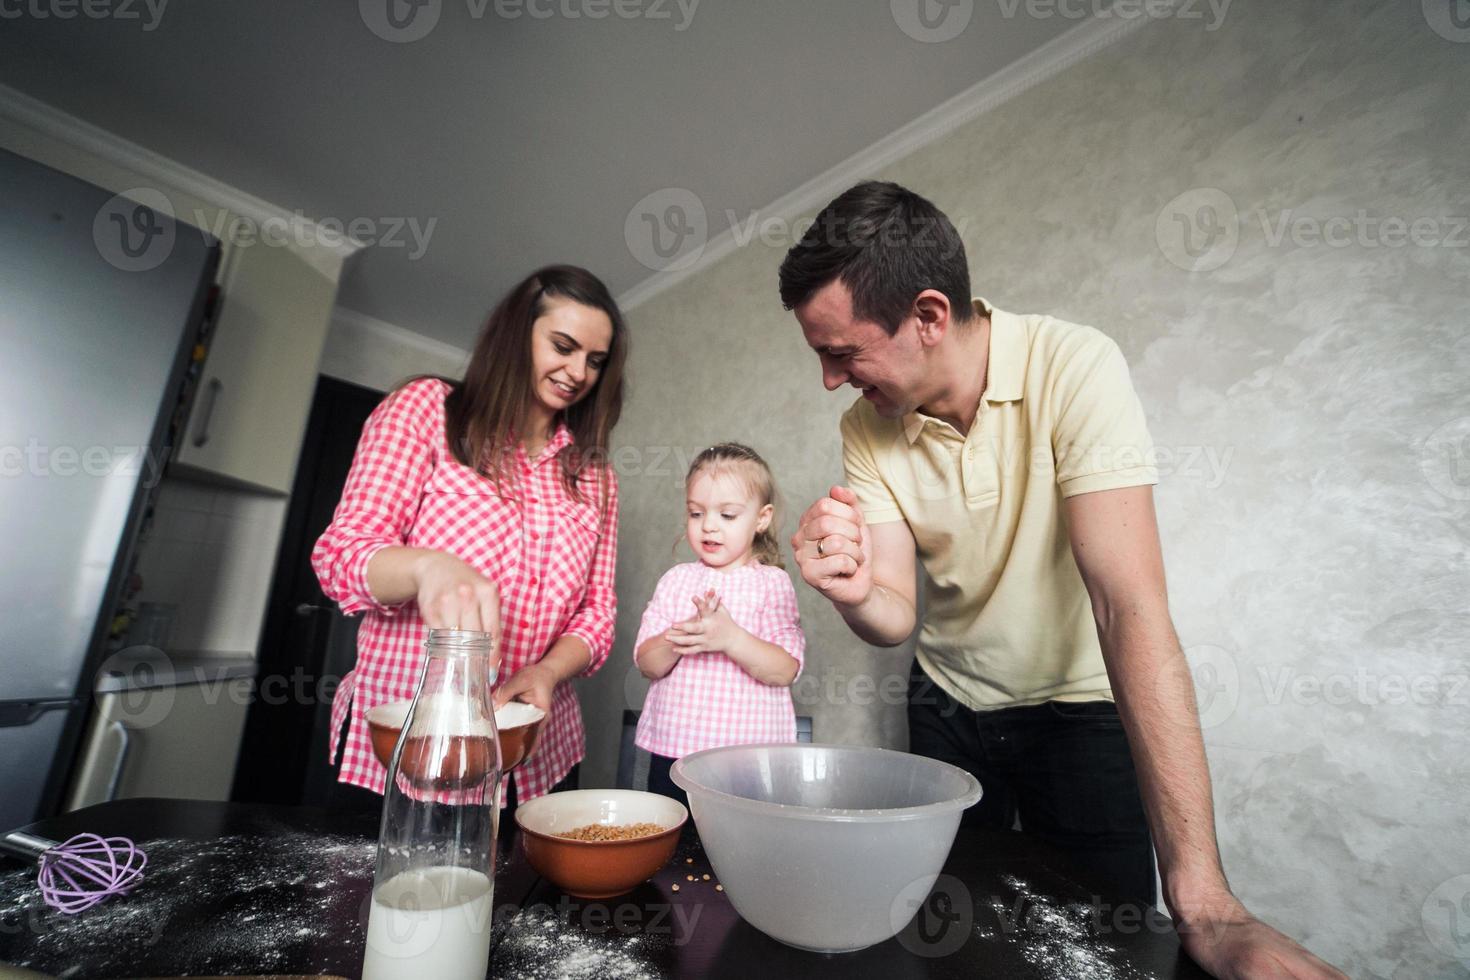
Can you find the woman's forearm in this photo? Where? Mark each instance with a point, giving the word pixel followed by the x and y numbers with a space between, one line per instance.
pixel 656 657
pixel 567 658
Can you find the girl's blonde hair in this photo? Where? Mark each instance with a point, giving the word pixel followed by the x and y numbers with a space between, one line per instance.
pixel 746 462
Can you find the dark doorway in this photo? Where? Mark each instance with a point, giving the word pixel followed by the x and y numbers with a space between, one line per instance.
pixel 306 645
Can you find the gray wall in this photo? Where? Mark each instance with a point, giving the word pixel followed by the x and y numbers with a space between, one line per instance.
pixel 1311 399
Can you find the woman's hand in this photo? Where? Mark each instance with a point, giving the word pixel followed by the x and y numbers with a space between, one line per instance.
pixel 710 631
pixel 452 595
pixel 533 684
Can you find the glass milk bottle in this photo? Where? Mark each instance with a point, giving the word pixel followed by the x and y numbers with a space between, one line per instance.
pixel 435 877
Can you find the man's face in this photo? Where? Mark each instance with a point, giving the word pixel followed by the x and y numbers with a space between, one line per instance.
pixel 887 370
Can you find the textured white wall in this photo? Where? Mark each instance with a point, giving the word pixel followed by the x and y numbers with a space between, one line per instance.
pixel 1312 399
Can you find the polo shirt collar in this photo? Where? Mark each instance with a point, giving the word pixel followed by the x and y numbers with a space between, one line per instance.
pixel 1007 364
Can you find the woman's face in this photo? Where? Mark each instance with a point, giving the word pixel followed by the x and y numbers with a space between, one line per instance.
pixel 569 345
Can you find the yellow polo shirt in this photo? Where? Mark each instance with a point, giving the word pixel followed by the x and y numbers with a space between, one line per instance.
pixel 1007 619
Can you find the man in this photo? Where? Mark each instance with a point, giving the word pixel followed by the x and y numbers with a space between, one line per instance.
pixel 1010 454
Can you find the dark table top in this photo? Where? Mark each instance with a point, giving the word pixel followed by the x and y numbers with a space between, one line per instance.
pixel 252 889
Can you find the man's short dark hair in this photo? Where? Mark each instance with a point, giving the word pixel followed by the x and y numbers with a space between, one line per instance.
pixel 887 245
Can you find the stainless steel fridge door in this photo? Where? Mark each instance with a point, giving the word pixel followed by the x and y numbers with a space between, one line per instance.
pixel 28 737
pixel 96 295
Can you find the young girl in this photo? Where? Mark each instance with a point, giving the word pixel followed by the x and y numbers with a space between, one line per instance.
pixel 721 639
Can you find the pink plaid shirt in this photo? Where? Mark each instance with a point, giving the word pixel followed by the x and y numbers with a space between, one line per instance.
pixel 708 700
pixel 552 557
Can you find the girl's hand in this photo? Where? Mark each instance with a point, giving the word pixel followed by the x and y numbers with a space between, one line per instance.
pixel 711 631
pixel 532 684
pixel 452 595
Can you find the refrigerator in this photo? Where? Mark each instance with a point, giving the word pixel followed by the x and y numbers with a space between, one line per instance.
pixel 101 298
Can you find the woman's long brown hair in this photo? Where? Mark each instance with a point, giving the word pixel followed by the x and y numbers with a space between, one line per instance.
pixel 486 413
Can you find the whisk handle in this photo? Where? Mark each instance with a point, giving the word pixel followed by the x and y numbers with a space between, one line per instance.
pixel 25 845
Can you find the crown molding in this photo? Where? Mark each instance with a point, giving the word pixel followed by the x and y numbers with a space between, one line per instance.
pixel 353 320
pixel 79 134
pixel 1051 59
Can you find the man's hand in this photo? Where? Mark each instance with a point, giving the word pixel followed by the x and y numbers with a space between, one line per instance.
pixel 1232 944
pixel 833 548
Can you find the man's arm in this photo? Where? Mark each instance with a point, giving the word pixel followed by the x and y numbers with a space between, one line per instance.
pixel 1115 540
pixel 867 571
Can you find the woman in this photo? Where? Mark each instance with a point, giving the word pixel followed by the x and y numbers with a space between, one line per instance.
pixel 487 505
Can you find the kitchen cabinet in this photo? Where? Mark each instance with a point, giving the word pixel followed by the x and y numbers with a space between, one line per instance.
pixel 250 411
pixel 164 727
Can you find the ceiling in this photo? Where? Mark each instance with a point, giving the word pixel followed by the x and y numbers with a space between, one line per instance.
pixel 513 133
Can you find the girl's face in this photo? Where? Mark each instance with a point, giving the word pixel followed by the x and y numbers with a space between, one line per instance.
pixel 724 518
pixel 569 344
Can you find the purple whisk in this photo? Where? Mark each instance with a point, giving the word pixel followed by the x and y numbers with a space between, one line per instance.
pixel 84 870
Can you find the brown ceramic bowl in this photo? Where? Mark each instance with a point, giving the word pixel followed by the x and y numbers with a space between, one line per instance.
pixel 519 726
pixel 599 869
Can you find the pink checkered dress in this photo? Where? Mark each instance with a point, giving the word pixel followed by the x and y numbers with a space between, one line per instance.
pixel 708 700
pixel 552 557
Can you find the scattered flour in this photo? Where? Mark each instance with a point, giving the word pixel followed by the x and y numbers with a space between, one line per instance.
pixel 1059 940
pixel 279 900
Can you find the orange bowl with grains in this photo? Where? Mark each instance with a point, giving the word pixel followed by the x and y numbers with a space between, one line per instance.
pixel 599 843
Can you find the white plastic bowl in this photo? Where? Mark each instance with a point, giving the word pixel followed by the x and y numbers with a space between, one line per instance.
pixel 825 847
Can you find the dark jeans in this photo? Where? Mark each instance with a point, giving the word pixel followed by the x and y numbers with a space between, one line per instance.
pixel 1063 767
pixel 660 782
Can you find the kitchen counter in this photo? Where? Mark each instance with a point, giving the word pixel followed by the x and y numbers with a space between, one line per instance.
pixel 242 888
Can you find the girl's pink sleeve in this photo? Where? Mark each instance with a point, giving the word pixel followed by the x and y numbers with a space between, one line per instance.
pixel 662 610
pixel 782 620
pixel 394 458
pixel 595 618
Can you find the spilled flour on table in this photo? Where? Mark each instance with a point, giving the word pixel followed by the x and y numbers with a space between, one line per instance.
pixel 275 899
pixel 540 946
pixel 1059 939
